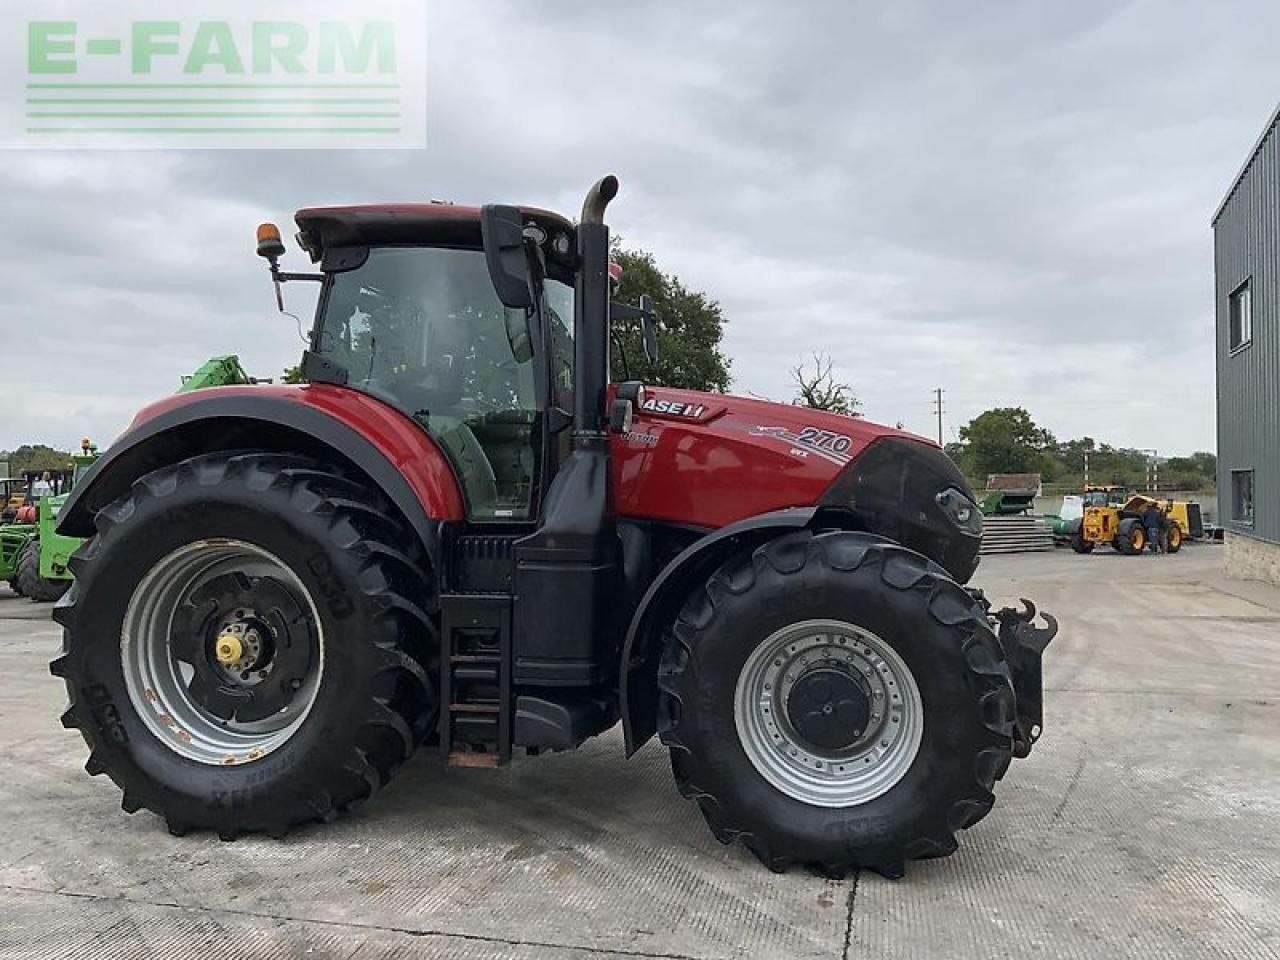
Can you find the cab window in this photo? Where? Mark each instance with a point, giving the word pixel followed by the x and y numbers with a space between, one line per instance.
pixel 422 329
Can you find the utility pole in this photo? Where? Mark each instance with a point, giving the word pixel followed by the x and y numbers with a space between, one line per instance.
pixel 1153 471
pixel 1086 469
pixel 938 401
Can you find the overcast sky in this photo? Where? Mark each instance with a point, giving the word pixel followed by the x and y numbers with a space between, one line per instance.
pixel 1007 200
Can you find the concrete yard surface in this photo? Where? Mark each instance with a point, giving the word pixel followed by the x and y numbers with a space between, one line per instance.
pixel 1145 824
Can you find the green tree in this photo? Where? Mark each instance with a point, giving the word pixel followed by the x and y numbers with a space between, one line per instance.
pixel 1199 463
pixel 820 390
pixel 690 329
pixel 292 374
pixel 1196 472
pixel 1005 440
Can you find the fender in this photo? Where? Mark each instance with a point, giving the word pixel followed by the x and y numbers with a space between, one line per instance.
pixel 392 451
pixel 638 668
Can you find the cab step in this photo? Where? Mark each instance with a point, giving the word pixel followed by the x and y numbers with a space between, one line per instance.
pixel 475 679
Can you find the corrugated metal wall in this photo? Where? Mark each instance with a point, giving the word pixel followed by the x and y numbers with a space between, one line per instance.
pixel 1246 240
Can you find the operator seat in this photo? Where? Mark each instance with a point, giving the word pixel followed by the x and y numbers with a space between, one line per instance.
pixel 479 483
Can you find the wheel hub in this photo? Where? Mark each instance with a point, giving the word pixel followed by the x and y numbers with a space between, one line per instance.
pixel 222 651
pixel 828 713
pixel 229 649
pixel 243 648
pixel 828 708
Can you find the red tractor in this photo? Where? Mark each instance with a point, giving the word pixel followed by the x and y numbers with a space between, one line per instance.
pixel 457 530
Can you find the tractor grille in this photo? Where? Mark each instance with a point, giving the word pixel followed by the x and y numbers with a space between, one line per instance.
pixel 482 563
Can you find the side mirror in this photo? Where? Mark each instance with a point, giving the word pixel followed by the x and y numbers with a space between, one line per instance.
pixel 622 313
pixel 649 328
pixel 502 231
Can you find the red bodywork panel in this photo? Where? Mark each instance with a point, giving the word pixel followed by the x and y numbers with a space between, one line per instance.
pixel 699 459
pixel 707 459
pixel 397 437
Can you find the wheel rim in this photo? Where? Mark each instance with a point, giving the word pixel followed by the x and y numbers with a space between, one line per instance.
pixel 865 746
pixel 222 651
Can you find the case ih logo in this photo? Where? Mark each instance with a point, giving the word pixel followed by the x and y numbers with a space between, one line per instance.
pixel 673 408
pixel 231 74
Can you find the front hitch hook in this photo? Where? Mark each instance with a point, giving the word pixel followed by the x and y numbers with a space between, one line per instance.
pixel 1024 644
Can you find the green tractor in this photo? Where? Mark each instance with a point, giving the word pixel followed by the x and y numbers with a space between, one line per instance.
pixel 40 564
pixel 34 557
pixel 18 517
pixel 13 535
pixel 14 538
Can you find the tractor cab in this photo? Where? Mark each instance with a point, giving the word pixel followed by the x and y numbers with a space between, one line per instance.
pixel 489 329
pixel 1108 496
pixel 47 483
pixel 422 328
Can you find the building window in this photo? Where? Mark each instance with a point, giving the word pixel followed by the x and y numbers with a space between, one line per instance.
pixel 1242 496
pixel 1241 316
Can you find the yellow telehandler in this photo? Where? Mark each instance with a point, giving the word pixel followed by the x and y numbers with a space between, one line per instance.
pixel 1112 515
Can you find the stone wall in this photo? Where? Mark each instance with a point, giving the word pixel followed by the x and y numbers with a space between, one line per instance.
pixel 1249 558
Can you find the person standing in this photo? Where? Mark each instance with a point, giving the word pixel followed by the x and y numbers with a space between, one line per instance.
pixel 1153 521
pixel 43 487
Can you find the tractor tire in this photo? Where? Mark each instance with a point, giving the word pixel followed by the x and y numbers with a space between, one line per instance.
pixel 876 618
pixel 1173 538
pixel 244 646
pixel 29 582
pixel 1131 540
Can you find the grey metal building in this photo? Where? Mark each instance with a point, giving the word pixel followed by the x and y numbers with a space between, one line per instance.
pixel 1246 246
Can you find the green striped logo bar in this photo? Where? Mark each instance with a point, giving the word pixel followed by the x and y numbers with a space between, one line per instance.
pixel 223 74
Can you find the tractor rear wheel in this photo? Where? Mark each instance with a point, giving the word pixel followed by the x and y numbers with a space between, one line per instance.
pixel 837 701
pixel 1173 538
pixel 244 646
pixel 30 583
pixel 1080 545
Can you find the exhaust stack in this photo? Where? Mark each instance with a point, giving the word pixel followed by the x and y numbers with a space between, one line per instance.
pixel 591 315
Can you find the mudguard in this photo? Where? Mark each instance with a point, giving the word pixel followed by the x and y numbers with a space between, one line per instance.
pixel 359 431
pixel 638 670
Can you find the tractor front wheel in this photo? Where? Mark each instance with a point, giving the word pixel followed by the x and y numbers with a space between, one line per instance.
pixel 28 579
pixel 245 648
pixel 1080 545
pixel 1132 538
pixel 836 701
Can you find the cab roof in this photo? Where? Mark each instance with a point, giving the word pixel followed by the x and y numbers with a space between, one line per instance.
pixel 320 228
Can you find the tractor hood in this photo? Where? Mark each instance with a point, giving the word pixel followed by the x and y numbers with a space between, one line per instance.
pixel 708 460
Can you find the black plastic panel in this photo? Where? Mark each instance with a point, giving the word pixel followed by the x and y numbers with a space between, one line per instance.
pixel 892 489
